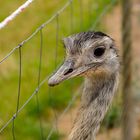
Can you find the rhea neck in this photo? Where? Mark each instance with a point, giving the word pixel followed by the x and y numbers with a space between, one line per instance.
pixel 98 86
pixel 97 96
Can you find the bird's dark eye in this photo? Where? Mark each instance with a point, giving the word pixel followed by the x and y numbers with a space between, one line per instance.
pixel 99 51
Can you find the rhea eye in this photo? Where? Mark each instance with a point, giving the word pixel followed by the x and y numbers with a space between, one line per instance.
pixel 98 52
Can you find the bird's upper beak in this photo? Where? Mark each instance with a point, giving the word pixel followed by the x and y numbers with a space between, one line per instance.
pixel 67 71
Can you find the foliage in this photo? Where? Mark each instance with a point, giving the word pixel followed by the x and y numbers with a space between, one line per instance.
pixel 113 117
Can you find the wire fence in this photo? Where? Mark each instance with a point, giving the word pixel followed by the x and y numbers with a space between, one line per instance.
pixel 39 29
pixel 40 83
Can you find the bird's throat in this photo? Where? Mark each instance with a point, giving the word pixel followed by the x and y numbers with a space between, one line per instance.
pixel 96 99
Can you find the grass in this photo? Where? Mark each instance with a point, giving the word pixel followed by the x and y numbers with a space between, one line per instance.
pixel 27 123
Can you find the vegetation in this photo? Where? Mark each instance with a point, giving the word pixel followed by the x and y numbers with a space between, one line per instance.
pixel 113 117
pixel 27 123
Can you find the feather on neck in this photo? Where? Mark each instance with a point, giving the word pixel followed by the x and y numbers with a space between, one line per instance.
pixel 97 96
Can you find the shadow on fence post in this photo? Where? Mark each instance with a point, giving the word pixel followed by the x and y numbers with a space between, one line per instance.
pixel 128 121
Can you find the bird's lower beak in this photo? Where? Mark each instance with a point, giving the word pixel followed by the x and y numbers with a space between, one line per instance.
pixel 67 71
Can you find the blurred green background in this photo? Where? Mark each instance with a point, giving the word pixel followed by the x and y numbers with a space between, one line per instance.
pixel 51 100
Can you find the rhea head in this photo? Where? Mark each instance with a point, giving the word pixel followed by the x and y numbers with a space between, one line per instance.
pixel 87 54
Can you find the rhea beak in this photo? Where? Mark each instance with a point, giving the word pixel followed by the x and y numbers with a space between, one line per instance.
pixel 64 72
pixel 67 71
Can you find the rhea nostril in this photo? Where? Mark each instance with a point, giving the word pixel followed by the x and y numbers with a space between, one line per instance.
pixel 68 71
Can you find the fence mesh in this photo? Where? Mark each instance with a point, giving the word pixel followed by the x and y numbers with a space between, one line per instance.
pixel 56 20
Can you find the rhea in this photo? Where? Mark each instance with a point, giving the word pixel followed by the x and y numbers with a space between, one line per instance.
pixel 94 56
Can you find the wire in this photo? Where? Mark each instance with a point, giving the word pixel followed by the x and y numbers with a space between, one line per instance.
pixel 13 129
pixel 71 17
pixel 57 40
pixel 19 87
pixel 39 75
pixel 81 13
pixel 21 45
pixel 107 8
pixel 36 31
pixel 22 107
pixel 14 14
pixel 55 65
pixel 65 111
